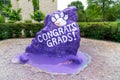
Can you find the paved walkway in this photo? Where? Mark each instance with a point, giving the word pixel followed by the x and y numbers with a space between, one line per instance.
pixel 105 63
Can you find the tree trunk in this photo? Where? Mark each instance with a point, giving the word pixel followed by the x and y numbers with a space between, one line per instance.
pixel 103 11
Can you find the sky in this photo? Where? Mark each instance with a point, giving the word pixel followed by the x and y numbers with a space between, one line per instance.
pixel 62 4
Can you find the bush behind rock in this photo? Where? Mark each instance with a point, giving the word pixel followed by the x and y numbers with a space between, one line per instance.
pixel 95 30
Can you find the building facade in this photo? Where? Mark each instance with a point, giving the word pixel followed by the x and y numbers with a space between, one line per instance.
pixel 46 6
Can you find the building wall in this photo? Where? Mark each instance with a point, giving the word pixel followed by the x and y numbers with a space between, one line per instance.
pixel 46 6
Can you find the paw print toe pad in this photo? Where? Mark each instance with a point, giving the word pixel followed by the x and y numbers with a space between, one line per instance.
pixel 60 18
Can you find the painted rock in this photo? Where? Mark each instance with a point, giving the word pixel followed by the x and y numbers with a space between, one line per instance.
pixel 60 35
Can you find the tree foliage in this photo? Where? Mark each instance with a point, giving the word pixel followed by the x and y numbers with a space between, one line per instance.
pixel 35 5
pixel 93 13
pixel 12 15
pixel 78 5
pixel 2 19
pixel 107 9
pixel 98 10
pixel 80 9
pixel 37 16
pixel 53 0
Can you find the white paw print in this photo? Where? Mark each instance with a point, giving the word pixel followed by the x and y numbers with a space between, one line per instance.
pixel 60 20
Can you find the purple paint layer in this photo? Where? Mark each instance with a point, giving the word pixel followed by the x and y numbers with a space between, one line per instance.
pixel 54 48
pixel 58 65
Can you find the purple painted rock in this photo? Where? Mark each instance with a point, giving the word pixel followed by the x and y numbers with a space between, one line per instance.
pixel 55 48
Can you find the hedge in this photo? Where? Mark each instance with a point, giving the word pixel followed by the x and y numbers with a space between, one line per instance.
pixel 18 30
pixel 96 30
pixel 101 30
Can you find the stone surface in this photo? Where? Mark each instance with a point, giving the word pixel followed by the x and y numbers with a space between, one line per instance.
pixel 60 36
pixel 105 64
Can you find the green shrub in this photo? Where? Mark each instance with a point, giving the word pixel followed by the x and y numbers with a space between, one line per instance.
pixel 27 21
pixel 101 30
pixel 13 30
pixel 117 20
pixel 2 19
pixel 96 30
pixel 38 16
pixel 13 15
pixel 35 4
pixel 116 34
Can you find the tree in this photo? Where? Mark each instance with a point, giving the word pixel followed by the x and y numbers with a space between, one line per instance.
pixel 93 13
pixel 78 5
pixel 104 4
pixel 38 16
pixel 4 5
pixel 13 15
pixel 35 5
pixel 108 8
pixel 116 9
pixel 80 9
pixel 1 5
pixel 53 0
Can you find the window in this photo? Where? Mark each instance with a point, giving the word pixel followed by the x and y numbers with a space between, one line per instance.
pixel 5 2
